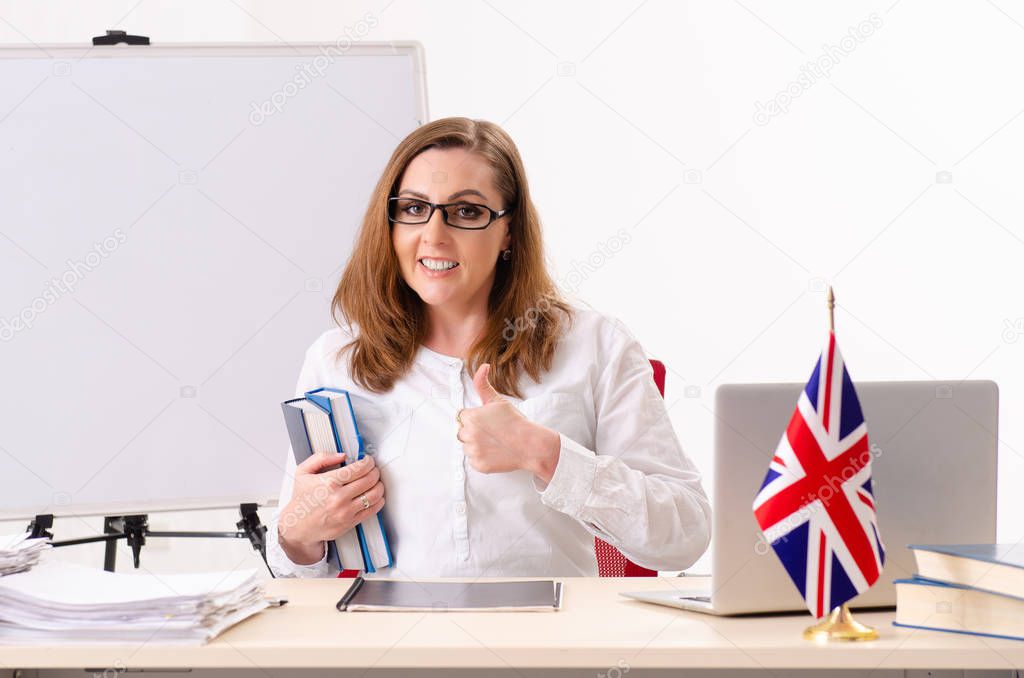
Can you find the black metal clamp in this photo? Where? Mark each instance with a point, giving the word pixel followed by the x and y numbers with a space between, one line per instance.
pixel 115 37
pixel 134 529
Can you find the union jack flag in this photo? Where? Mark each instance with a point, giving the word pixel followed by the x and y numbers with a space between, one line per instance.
pixel 816 507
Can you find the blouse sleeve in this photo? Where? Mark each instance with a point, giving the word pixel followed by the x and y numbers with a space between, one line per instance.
pixel 279 561
pixel 637 490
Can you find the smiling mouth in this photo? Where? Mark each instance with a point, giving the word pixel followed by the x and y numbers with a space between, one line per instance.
pixel 437 264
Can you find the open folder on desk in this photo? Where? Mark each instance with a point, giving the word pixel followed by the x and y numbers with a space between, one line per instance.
pixel 389 595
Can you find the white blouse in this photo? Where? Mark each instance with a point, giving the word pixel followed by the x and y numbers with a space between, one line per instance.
pixel 621 473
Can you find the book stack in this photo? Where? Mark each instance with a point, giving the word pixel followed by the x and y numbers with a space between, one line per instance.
pixel 323 422
pixel 965 588
pixel 63 602
pixel 19 553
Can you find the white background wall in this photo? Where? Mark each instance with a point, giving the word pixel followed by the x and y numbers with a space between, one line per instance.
pixel 896 178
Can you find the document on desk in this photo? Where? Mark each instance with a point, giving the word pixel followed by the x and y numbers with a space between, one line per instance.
pixel 57 601
pixel 389 595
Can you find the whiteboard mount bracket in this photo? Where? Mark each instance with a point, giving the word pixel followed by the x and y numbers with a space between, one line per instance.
pixel 134 529
pixel 115 37
pixel 40 526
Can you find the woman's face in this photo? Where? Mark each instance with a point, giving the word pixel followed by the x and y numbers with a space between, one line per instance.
pixel 446 176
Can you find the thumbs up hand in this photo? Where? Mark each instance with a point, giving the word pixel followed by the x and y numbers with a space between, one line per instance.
pixel 497 438
pixel 487 393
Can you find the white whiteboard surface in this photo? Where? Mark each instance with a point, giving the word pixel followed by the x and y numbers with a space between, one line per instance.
pixel 175 220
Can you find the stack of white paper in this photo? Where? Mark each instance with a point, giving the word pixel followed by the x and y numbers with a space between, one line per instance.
pixel 19 553
pixel 66 602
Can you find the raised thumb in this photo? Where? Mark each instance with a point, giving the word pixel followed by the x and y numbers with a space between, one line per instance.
pixel 483 385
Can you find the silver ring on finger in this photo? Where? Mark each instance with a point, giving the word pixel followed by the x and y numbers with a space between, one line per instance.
pixel 365 501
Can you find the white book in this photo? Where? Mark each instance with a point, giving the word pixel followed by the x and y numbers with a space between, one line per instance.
pixel 348 552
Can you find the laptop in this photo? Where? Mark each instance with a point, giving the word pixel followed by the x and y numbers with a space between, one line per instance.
pixel 934 453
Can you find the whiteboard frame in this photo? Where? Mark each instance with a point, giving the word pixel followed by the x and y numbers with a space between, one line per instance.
pixel 57 52
pixel 410 48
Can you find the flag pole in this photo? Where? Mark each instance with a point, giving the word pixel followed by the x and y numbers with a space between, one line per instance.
pixel 831 310
pixel 840 624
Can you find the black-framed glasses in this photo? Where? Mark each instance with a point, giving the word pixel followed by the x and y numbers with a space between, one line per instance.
pixel 465 215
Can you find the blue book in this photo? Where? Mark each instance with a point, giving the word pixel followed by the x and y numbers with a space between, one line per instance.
pixel 939 606
pixel 998 568
pixel 311 432
pixel 328 426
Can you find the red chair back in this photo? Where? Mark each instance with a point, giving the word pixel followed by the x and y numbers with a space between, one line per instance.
pixel 610 561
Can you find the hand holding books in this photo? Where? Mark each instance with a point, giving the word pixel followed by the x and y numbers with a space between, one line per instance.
pixel 338 505
pixel 328 503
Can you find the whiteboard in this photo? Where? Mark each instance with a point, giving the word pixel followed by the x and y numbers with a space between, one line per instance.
pixel 175 220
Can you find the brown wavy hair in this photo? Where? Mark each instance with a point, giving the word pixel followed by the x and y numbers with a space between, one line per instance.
pixel 525 310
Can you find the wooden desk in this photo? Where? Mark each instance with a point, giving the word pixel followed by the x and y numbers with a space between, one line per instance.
pixel 596 628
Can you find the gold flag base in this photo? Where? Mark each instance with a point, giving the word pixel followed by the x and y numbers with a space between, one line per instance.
pixel 840 625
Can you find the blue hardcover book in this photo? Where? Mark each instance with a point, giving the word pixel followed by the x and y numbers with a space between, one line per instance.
pixel 998 568
pixel 373 537
pixel 939 606
pixel 311 432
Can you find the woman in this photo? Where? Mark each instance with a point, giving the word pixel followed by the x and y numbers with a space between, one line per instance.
pixel 508 427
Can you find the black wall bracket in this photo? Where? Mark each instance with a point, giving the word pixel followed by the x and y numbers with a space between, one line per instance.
pixel 116 37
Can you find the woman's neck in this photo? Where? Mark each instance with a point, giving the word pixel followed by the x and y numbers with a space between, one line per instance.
pixel 454 331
